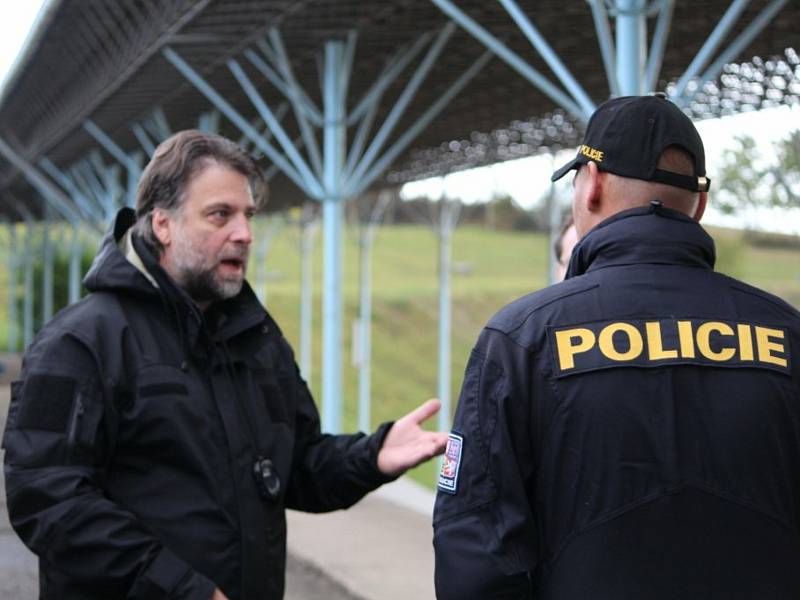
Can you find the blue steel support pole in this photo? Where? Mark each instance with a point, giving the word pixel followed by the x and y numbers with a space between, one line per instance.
pixel 366 243
pixel 269 118
pixel 307 233
pixel 359 140
pixel 13 263
pixel 309 108
pixel 332 214
pixel 631 43
pixel 130 163
pixel 356 187
pixel 114 195
pixel 54 196
pixel 27 298
pixel 241 123
pixel 47 269
pixel 86 206
pixel 511 58
pixel 134 173
pixel 364 328
pixel 744 39
pixel 607 50
pixel 309 136
pixel 403 101
pixel 85 178
pixel 658 44
pixel 550 57
pixel 158 124
pixel 389 74
pixel 445 305
pixel 144 140
pixel 74 293
pixel 711 44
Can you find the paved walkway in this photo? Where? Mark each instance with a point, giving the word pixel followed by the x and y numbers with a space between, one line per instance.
pixel 380 549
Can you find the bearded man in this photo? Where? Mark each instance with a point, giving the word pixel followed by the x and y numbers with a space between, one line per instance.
pixel 160 427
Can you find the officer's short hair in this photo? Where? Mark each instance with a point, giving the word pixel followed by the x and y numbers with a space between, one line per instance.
pixel 173 164
pixel 677 160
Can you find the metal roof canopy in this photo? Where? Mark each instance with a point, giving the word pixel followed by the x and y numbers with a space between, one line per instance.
pixel 108 80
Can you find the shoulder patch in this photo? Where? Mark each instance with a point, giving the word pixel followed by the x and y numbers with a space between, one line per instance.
pixel 448 477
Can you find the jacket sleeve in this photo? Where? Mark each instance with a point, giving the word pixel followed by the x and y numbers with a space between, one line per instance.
pixel 329 472
pixel 484 530
pixel 57 449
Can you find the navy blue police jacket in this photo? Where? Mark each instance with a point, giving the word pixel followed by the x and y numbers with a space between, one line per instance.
pixel 632 432
pixel 131 438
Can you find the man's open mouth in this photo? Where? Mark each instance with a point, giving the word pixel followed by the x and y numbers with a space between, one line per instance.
pixel 234 263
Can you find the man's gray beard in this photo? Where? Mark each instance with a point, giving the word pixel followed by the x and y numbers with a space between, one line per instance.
pixel 202 285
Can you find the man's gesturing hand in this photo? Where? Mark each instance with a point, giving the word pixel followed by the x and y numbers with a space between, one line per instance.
pixel 218 595
pixel 407 444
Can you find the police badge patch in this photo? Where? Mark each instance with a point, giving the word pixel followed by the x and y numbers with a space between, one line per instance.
pixel 448 477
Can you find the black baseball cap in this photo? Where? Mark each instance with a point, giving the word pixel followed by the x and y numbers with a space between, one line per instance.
pixel 627 135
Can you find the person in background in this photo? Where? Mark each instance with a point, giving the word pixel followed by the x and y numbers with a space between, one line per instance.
pixel 562 248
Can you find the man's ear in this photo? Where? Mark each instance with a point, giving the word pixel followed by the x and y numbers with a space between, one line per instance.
pixel 701 206
pixel 592 188
pixel 162 226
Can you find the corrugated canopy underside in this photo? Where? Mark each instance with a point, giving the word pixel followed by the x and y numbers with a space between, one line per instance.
pixel 102 59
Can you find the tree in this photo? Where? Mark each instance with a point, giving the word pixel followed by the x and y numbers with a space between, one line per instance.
pixel 748 179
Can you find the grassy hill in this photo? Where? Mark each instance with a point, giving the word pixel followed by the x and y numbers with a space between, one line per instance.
pixel 491 268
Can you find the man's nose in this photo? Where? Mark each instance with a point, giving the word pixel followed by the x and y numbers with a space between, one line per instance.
pixel 242 231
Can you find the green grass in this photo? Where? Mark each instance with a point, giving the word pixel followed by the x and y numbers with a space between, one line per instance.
pixel 491 269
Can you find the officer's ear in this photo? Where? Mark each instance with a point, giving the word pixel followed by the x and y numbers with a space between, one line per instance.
pixel 702 200
pixel 591 187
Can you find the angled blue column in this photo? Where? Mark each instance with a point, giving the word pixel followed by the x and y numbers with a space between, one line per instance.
pixel 607 51
pixel 311 187
pixel 511 58
pixel 550 56
pixel 706 52
pixel 144 139
pixel 309 137
pixel 355 187
pixel 659 44
pixel 60 201
pixel 131 163
pixel 88 207
pixel 334 131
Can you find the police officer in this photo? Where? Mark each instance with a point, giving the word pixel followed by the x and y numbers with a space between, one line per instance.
pixel 632 432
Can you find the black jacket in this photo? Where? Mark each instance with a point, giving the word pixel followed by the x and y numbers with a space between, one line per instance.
pixel 132 435
pixel 633 432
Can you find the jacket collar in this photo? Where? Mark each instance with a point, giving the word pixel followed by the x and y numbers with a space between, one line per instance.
pixel 646 235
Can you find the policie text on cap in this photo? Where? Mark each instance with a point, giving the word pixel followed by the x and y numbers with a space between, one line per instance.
pixel 626 136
